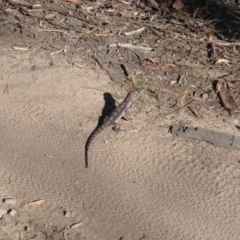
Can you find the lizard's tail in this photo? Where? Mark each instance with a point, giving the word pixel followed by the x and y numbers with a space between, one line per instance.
pixel 87 145
pixel 86 152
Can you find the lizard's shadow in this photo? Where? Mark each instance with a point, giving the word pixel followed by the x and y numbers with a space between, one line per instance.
pixel 108 108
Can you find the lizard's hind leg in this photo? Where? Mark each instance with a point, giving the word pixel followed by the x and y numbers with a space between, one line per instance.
pixel 116 127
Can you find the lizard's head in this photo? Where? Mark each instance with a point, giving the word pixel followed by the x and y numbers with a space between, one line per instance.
pixel 131 96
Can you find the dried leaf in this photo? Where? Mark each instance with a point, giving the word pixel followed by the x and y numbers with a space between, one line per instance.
pixel 178 4
pixel 168 65
pixel 36 202
pixel 222 60
pixel 181 101
pixel 157 64
pixel 153 60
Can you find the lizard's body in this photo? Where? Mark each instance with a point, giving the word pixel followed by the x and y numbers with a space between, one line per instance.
pixel 112 120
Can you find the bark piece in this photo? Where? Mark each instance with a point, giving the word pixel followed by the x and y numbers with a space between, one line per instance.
pixel 216 138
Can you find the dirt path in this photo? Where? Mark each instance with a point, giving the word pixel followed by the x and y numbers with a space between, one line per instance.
pixel 141 184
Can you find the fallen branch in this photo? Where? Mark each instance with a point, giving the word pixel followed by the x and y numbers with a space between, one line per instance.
pixel 130 46
pixel 216 138
pixel 138 31
pixel 225 43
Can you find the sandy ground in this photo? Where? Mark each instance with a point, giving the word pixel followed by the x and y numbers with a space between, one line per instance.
pixel 141 184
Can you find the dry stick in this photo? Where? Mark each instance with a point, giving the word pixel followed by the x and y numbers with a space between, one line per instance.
pixel 216 138
pixel 138 31
pixel 127 45
pixel 48 30
pixel 217 42
pixel 224 43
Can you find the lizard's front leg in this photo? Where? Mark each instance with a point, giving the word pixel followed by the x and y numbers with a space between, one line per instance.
pixel 126 116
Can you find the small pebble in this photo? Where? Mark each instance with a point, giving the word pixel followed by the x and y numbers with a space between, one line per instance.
pixel 12 212
pixel 67 214
pixel 205 96
pixel 2 212
pixel 173 82
pixel 9 201
pixel 50 16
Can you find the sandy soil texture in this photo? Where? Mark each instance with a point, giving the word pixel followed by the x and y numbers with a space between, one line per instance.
pixel 141 184
pixel 58 62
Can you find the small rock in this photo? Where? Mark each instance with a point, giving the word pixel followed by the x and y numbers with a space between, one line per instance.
pixel 154 4
pixel 9 201
pixel 2 212
pixel 73 21
pixel 205 96
pixel 50 16
pixel 12 212
pixel 66 214
pixel 173 82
